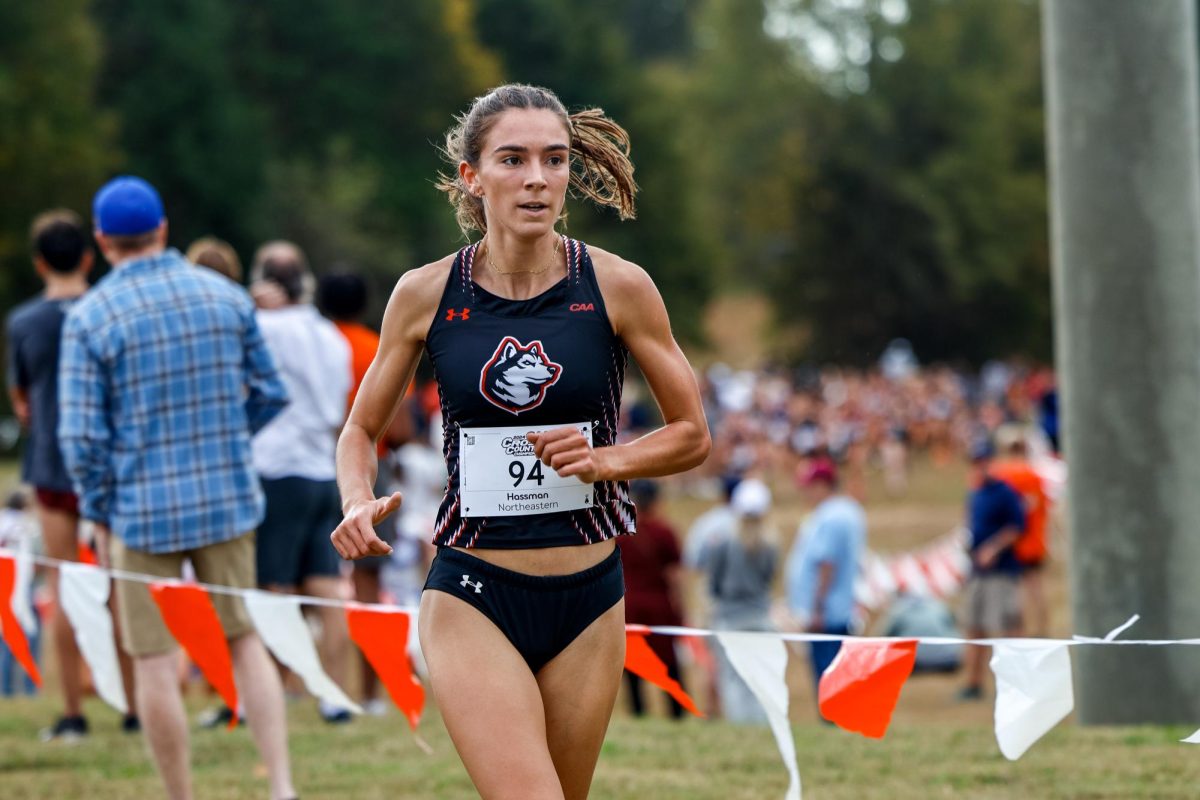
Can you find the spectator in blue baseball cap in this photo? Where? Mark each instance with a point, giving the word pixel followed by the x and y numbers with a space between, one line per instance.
pixel 128 217
pixel 163 379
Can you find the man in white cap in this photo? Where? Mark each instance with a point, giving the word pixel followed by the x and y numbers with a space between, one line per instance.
pixel 741 568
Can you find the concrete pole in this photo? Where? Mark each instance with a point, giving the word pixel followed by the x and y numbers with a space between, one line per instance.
pixel 1125 195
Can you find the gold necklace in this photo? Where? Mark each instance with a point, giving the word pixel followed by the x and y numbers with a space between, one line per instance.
pixel 499 270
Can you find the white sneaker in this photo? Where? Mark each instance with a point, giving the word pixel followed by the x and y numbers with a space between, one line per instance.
pixel 332 714
pixel 377 707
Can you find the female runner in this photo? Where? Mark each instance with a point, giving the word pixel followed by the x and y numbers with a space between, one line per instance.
pixel 522 618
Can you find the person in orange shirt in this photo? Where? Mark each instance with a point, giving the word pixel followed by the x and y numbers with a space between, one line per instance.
pixel 1030 549
pixel 343 298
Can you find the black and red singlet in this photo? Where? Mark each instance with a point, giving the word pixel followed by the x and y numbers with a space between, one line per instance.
pixel 548 361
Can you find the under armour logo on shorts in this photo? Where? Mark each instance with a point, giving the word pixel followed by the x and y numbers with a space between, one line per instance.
pixel 477 586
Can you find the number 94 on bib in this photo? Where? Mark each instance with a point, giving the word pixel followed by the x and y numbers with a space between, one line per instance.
pixel 500 476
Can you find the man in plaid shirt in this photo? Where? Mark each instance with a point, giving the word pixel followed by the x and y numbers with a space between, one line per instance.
pixel 163 378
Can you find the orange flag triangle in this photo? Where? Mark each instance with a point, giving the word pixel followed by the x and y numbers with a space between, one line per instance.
pixel 860 689
pixel 645 663
pixel 87 555
pixel 10 628
pixel 383 638
pixel 192 620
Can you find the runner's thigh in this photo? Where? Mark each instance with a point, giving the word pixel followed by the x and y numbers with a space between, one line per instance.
pixel 579 688
pixel 489 701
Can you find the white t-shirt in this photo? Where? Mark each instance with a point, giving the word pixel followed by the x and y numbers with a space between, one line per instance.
pixel 314 361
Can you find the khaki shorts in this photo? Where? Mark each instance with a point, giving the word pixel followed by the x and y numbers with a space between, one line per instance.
pixel 143 632
pixel 992 604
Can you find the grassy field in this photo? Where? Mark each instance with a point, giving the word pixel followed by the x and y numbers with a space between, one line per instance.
pixel 936 747
pixel 650 758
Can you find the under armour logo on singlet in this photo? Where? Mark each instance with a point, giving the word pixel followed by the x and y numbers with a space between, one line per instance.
pixel 452 315
pixel 477 586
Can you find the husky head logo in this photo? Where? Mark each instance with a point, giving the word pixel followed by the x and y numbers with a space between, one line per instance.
pixel 517 376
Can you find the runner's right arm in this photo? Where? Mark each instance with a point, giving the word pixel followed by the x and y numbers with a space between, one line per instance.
pixel 409 314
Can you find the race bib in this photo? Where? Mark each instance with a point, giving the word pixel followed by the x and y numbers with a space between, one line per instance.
pixel 499 475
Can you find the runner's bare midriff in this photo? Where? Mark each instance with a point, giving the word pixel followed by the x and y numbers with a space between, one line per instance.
pixel 544 561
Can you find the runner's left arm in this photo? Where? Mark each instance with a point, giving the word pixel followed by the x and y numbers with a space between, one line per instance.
pixel 639 318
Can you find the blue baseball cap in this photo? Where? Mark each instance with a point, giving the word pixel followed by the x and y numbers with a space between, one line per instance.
pixel 127 206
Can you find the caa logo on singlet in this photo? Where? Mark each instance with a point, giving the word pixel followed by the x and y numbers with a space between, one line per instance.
pixel 517 376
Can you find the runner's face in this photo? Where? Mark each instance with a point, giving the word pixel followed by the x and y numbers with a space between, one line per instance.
pixel 523 171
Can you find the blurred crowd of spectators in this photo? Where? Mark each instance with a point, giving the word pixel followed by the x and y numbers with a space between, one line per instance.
pixel 816 435
pixel 765 422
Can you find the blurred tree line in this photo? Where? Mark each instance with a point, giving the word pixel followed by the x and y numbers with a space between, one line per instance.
pixel 874 166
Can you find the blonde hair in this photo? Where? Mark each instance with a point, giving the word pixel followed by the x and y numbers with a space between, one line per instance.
pixel 600 168
pixel 217 255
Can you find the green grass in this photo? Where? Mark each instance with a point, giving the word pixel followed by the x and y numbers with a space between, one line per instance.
pixel 936 748
pixel 650 758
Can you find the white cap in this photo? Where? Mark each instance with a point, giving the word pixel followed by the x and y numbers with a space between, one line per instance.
pixel 751 498
pixel 1008 435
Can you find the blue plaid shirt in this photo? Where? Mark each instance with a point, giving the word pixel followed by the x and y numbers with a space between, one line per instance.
pixel 163 378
